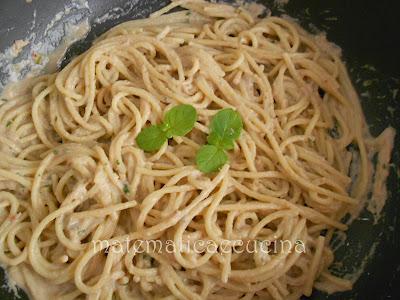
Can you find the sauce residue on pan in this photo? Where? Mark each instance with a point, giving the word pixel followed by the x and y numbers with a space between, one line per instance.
pixel 60 35
pixel 41 50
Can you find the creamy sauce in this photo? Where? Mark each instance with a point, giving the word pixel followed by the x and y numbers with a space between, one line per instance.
pixel 39 288
pixel 384 146
pixel 35 53
pixel 45 58
pixel 33 284
pixel 18 46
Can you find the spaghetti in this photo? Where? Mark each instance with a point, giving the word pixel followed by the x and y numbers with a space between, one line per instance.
pixel 74 184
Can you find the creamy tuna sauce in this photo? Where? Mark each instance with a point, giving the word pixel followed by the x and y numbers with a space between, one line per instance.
pixel 38 287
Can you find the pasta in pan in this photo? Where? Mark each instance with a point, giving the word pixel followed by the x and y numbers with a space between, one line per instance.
pixel 81 202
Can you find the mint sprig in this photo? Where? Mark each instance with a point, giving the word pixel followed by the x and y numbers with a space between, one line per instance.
pixel 210 158
pixel 151 138
pixel 178 121
pixel 225 128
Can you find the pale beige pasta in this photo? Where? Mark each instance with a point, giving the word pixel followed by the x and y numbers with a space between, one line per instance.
pixel 77 194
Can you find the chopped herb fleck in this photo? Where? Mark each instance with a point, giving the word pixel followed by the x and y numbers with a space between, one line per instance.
pixel 126 189
pixel 334 131
pixel 8 123
pixel 352 147
pixel 37 58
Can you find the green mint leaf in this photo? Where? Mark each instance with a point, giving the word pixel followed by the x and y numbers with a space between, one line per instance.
pixel 164 127
pixel 210 158
pixel 179 120
pixel 215 139
pixel 226 127
pixel 151 138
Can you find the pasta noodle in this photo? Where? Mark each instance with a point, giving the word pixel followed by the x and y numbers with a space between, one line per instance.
pixel 80 202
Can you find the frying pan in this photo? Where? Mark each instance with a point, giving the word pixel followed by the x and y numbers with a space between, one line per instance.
pixel 367 32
